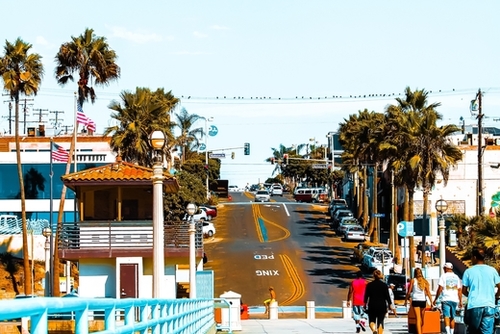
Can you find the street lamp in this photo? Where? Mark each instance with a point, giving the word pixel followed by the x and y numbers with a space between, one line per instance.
pixel 210 119
pixel 191 210
pixel 158 140
pixel 47 232
pixel 441 207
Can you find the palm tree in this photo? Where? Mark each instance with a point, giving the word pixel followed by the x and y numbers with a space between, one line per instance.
pixel 188 140
pixel 95 62
pixel 138 115
pixel 22 73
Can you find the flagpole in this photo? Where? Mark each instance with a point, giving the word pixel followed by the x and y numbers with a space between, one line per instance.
pixel 51 221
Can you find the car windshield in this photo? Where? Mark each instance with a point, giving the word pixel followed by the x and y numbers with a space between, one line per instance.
pixel 396 279
pixel 355 229
pixel 262 192
pixel 387 255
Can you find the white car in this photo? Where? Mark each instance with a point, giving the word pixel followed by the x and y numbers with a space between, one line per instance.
pixel 208 229
pixel 233 188
pixel 200 216
pixel 262 196
pixel 277 190
pixel 378 258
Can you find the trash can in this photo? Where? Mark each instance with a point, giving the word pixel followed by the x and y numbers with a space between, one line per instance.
pixel 310 310
pixel 231 316
pixel 452 238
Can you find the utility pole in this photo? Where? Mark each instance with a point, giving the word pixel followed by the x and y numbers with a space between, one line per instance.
pixel 479 154
pixel 25 109
pixel 56 122
pixel 9 118
pixel 40 114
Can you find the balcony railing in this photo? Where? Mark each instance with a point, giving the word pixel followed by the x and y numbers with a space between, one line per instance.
pixel 136 234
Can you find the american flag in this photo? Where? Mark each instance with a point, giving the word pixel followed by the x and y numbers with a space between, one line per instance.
pixel 58 153
pixel 83 119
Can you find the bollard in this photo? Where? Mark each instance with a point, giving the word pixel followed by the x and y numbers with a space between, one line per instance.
pixel 346 311
pixel 273 310
pixel 310 310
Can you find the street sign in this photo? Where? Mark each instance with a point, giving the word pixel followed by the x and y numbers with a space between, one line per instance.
pixel 405 229
pixel 202 147
pixel 319 166
pixel 217 155
pixel 379 215
pixel 213 131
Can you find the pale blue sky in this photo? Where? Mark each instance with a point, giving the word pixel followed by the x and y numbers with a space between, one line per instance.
pixel 278 49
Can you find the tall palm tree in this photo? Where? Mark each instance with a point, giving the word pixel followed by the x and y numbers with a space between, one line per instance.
pixel 188 138
pixel 22 73
pixel 95 62
pixel 138 115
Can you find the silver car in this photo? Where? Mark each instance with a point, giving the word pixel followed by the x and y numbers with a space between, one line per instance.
pixel 354 233
pixel 262 196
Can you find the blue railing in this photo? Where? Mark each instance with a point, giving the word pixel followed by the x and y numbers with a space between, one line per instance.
pixel 127 316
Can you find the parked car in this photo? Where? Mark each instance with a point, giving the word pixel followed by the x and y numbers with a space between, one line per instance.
pixel 346 222
pixel 200 216
pixel 378 258
pixel 335 204
pixel 337 218
pixel 354 233
pixel 360 250
pixel 208 229
pixel 277 190
pixel 233 188
pixel 310 195
pixel 399 282
pixel 211 212
pixel 262 196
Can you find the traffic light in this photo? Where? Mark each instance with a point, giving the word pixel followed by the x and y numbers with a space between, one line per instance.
pixel 232 155
pixel 247 149
pixel 285 157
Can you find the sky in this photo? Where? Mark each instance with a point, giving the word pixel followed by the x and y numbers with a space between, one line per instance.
pixel 271 72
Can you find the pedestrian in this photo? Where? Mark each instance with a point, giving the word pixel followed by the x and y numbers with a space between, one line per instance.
pixel 478 284
pixel 272 298
pixel 391 295
pixel 377 300
pixel 355 298
pixel 450 290
pixel 419 252
pixel 419 291
pixel 433 252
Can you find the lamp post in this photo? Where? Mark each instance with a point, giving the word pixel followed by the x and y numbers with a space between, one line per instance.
pixel 331 144
pixel 441 207
pixel 191 210
pixel 47 232
pixel 157 141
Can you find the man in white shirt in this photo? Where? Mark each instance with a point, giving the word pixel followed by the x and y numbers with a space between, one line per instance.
pixel 450 287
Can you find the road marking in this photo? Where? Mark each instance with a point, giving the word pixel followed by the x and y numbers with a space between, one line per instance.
pixel 260 225
pixel 286 210
pixel 298 285
pixel 263 257
pixel 272 272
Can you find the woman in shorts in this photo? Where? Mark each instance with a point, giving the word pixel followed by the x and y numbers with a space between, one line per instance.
pixel 419 291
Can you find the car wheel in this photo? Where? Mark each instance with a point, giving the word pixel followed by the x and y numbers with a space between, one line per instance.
pixel 210 233
pixel 209 218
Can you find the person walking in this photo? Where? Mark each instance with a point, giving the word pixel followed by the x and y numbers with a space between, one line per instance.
pixel 355 298
pixel 450 288
pixel 391 295
pixel 418 290
pixel 478 284
pixel 272 298
pixel 377 300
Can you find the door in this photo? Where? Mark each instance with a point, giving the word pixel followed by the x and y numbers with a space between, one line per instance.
pixel 129 280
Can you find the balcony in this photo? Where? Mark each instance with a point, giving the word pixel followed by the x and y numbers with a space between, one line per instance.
pixel 111 239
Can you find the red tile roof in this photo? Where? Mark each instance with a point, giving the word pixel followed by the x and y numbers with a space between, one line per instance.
pixel 118 173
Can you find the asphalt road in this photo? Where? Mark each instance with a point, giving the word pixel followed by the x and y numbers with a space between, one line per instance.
pixel 282 244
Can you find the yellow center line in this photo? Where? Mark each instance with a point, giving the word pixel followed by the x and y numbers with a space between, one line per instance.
pixel 257 215
pixel 298 285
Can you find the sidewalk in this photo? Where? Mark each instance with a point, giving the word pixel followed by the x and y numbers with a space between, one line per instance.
pixel 315 326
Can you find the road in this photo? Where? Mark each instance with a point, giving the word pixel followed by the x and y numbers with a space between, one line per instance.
pixel 282 244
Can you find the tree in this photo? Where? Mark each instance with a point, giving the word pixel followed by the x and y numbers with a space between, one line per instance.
pixel 95 62
pixel 22 73
pixel 188 139
pixel 138 114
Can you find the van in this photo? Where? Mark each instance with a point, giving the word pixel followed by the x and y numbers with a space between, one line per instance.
pixel 311 195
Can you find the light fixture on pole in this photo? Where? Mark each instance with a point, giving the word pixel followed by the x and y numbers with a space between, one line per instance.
pixel 158 140
pixel 47 232
pixel 441 207
pixel 191 210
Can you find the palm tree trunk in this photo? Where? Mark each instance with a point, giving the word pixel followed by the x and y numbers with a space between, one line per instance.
pixel 411 217
pixel 365 200
pixel 425 226
pixel 359 197
pixel 26 255
pixel 374 222
pixel 56 271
